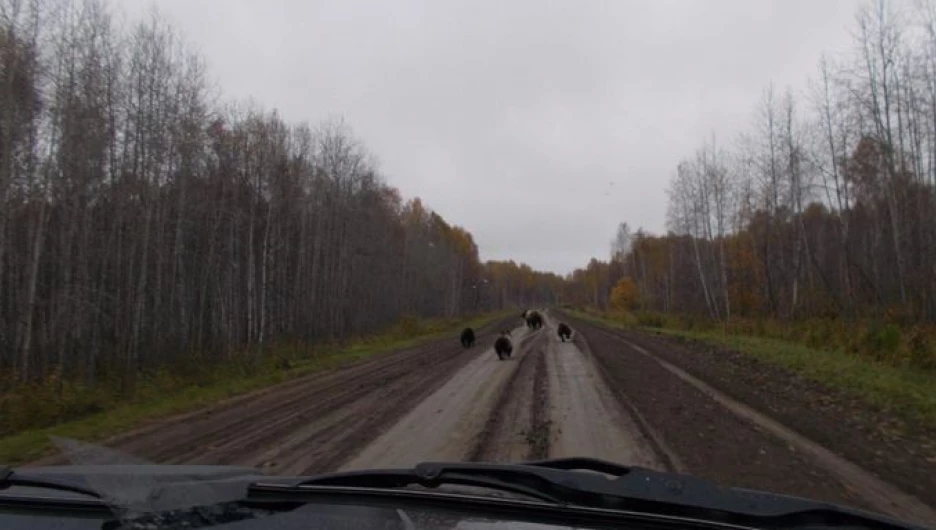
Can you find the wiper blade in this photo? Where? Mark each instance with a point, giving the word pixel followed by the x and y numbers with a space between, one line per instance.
pixel 425 475
pixel 576 482
pixel 9 479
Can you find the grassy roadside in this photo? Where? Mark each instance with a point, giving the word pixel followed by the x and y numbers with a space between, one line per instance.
pixel 909 393
pixel 144 407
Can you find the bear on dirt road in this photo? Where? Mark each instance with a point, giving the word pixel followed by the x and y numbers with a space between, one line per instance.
pixel 565 332
pixel 534 320
pixel 467 337
pixel 503 347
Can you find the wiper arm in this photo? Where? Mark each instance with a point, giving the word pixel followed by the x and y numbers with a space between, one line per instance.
pixel 9 479
pixel 428 475
pixel 634 489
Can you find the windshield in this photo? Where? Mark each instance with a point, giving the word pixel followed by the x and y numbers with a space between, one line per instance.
pixel 299 237
pixel 309 516
pixel 138 495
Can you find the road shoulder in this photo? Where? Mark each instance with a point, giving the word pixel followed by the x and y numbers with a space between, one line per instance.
pixel 872 438
pixel 708 440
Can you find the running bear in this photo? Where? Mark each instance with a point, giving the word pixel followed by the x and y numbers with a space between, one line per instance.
pixel 503 347
pixel 565 332
pixel 534 320
pixel 467 337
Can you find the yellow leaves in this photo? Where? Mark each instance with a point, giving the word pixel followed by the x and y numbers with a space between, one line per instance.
pixel 625 295
pixel 462 241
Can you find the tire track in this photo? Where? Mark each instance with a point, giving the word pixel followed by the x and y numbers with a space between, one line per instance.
pixel 512 430
pixel 179 439
pixel 713 434
pixel 550 402
pixel 589 419
pixel 539 435
pixel 316 407
pixel 449 424
pixel 229 441
pixel 668 459
pixel 877 493
pixel 335 420
pixel 309 424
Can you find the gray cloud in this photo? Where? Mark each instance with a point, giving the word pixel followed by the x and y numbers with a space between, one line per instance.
pixel 513 118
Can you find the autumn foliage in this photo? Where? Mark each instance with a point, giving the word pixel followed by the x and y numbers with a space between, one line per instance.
pixel 145 226
pixel 624 296
pixel 819 221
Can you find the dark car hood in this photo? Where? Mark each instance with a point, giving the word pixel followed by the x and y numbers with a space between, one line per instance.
pixel 145 487
pixel 82 474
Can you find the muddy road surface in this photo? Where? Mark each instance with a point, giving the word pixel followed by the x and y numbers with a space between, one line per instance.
pixel 310 424
pixel 707 432
pixel 610 394
pixel 546 401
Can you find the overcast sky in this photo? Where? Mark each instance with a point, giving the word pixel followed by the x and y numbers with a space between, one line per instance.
pixel 513 117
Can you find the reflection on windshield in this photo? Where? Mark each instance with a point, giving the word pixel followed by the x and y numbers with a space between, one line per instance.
pixel 506 525
pixel 132 495
pixel 313 515
pixel 155 501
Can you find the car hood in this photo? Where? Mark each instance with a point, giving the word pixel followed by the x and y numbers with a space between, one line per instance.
pixel 87 474
pixel 145 487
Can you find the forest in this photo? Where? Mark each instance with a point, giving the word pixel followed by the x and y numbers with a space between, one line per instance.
pixel 146 221
pixel 824 207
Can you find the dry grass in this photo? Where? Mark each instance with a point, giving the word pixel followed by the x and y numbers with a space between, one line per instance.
pixel 881 364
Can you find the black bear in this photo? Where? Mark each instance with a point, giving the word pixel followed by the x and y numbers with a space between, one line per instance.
pixel 467 337
pixel 534 320
pixel 503 347
pixel 565 332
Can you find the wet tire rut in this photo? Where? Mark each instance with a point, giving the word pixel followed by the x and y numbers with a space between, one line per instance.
pixel 519 426
pixel 731 443
pixel 539 435
pixel 306 425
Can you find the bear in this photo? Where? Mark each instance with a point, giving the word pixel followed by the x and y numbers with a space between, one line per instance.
pixel 503 347
pixel 467 337
pixel 565 332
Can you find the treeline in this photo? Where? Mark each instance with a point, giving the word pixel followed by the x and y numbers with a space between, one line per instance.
pixel 826 207
pixel 143 223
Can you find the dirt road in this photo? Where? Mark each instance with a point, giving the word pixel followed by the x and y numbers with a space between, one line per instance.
pixel 607 394
pixel 308 425
pixel 546 401
pixel 713 435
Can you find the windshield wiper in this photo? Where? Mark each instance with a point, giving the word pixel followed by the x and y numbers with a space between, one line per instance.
pixel 9 479
pixel 583 482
